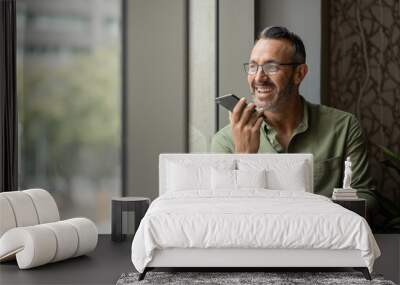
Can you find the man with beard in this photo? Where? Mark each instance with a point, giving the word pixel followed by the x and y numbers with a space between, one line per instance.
pixel 286 123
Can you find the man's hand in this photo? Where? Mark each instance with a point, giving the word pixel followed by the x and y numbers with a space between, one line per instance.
pixel 246 125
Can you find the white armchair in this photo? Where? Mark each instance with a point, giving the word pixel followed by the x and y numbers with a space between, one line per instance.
pixel 31 230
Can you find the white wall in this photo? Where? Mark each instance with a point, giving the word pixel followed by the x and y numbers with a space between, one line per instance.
pixel 304 18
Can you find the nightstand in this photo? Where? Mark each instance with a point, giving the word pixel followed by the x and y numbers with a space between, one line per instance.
pixel 121 207
pixel 358 206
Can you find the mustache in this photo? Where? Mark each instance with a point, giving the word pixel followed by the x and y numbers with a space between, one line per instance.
pixel 266 84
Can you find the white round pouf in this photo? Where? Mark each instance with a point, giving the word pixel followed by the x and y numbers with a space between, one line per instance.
pixel 67 240
pixel 23 208
pixel 33 246
pixel 7 215
pixel 31 233
pixel 87 233
pixel 46 207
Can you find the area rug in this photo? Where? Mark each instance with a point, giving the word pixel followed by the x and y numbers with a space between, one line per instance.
pixel 273 278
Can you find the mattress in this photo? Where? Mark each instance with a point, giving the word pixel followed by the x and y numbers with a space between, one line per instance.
pixel 251 219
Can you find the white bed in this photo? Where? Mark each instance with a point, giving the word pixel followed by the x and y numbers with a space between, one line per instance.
pixel 197 224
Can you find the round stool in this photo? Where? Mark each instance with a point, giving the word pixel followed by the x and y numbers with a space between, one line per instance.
pixel 138 205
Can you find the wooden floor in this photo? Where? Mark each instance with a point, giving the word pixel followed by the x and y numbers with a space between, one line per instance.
pixel 102 266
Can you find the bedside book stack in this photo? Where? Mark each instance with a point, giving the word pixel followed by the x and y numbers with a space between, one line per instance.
pixel 344 194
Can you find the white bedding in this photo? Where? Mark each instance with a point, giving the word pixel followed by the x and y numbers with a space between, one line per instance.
pixel 250 218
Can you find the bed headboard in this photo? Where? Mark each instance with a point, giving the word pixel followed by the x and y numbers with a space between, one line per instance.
pixel 164 158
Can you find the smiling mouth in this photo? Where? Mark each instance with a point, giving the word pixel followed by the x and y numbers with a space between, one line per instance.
pixel 264 90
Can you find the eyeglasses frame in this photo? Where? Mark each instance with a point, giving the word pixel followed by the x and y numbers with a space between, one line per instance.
pixel 245 65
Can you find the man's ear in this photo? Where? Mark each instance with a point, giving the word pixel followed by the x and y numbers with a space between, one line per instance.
pixel 301 71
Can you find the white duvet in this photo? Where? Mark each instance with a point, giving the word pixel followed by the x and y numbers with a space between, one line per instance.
pixel 251 218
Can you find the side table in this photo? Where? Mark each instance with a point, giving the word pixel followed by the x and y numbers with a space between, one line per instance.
pixel 358 206
pixel 138 205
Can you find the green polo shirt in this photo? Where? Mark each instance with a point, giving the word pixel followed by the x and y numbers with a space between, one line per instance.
pixel 329 134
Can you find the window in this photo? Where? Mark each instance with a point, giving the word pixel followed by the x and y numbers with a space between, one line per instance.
pixel 69 86
pixel 202 90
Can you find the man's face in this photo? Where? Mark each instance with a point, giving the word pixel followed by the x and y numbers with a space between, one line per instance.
pixel 272 91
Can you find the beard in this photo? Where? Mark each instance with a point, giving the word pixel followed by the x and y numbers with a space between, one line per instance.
pixel 278 100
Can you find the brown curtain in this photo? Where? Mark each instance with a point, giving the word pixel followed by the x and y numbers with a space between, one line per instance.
pixel 8 98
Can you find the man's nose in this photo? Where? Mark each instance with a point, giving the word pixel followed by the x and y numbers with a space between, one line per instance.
pixel 260 74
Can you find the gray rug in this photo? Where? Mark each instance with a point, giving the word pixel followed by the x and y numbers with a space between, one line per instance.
pixel 225 278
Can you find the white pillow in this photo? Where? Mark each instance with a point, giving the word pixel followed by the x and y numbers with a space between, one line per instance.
pixel 186 174
pixel 281 174
pixel 290 179
pixel 236 179
pixel 251 178
pixel 223 179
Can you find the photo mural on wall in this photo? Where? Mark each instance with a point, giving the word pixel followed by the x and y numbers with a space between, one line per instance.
pixel 364 79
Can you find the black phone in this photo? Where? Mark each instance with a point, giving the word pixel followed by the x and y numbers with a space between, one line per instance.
pixel 229 101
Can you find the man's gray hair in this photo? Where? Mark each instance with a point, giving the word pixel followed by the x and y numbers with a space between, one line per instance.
pixel 277 32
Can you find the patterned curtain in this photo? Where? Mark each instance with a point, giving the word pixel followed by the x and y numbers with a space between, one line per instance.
pixel 364 76
pixel 8 100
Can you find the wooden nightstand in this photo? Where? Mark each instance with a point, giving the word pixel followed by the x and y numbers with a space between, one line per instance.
pixel 358 206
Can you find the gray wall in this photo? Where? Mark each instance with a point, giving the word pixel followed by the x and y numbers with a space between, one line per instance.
pixel 156 89
pixel 236 38
pixel 304 18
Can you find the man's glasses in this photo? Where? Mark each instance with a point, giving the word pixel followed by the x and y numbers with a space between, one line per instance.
pixel 268 68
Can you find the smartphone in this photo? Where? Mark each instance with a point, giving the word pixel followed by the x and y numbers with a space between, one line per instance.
pixel 229 101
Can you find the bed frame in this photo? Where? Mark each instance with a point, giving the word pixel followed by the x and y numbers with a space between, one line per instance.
pixel 242 259
pixel 250 258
